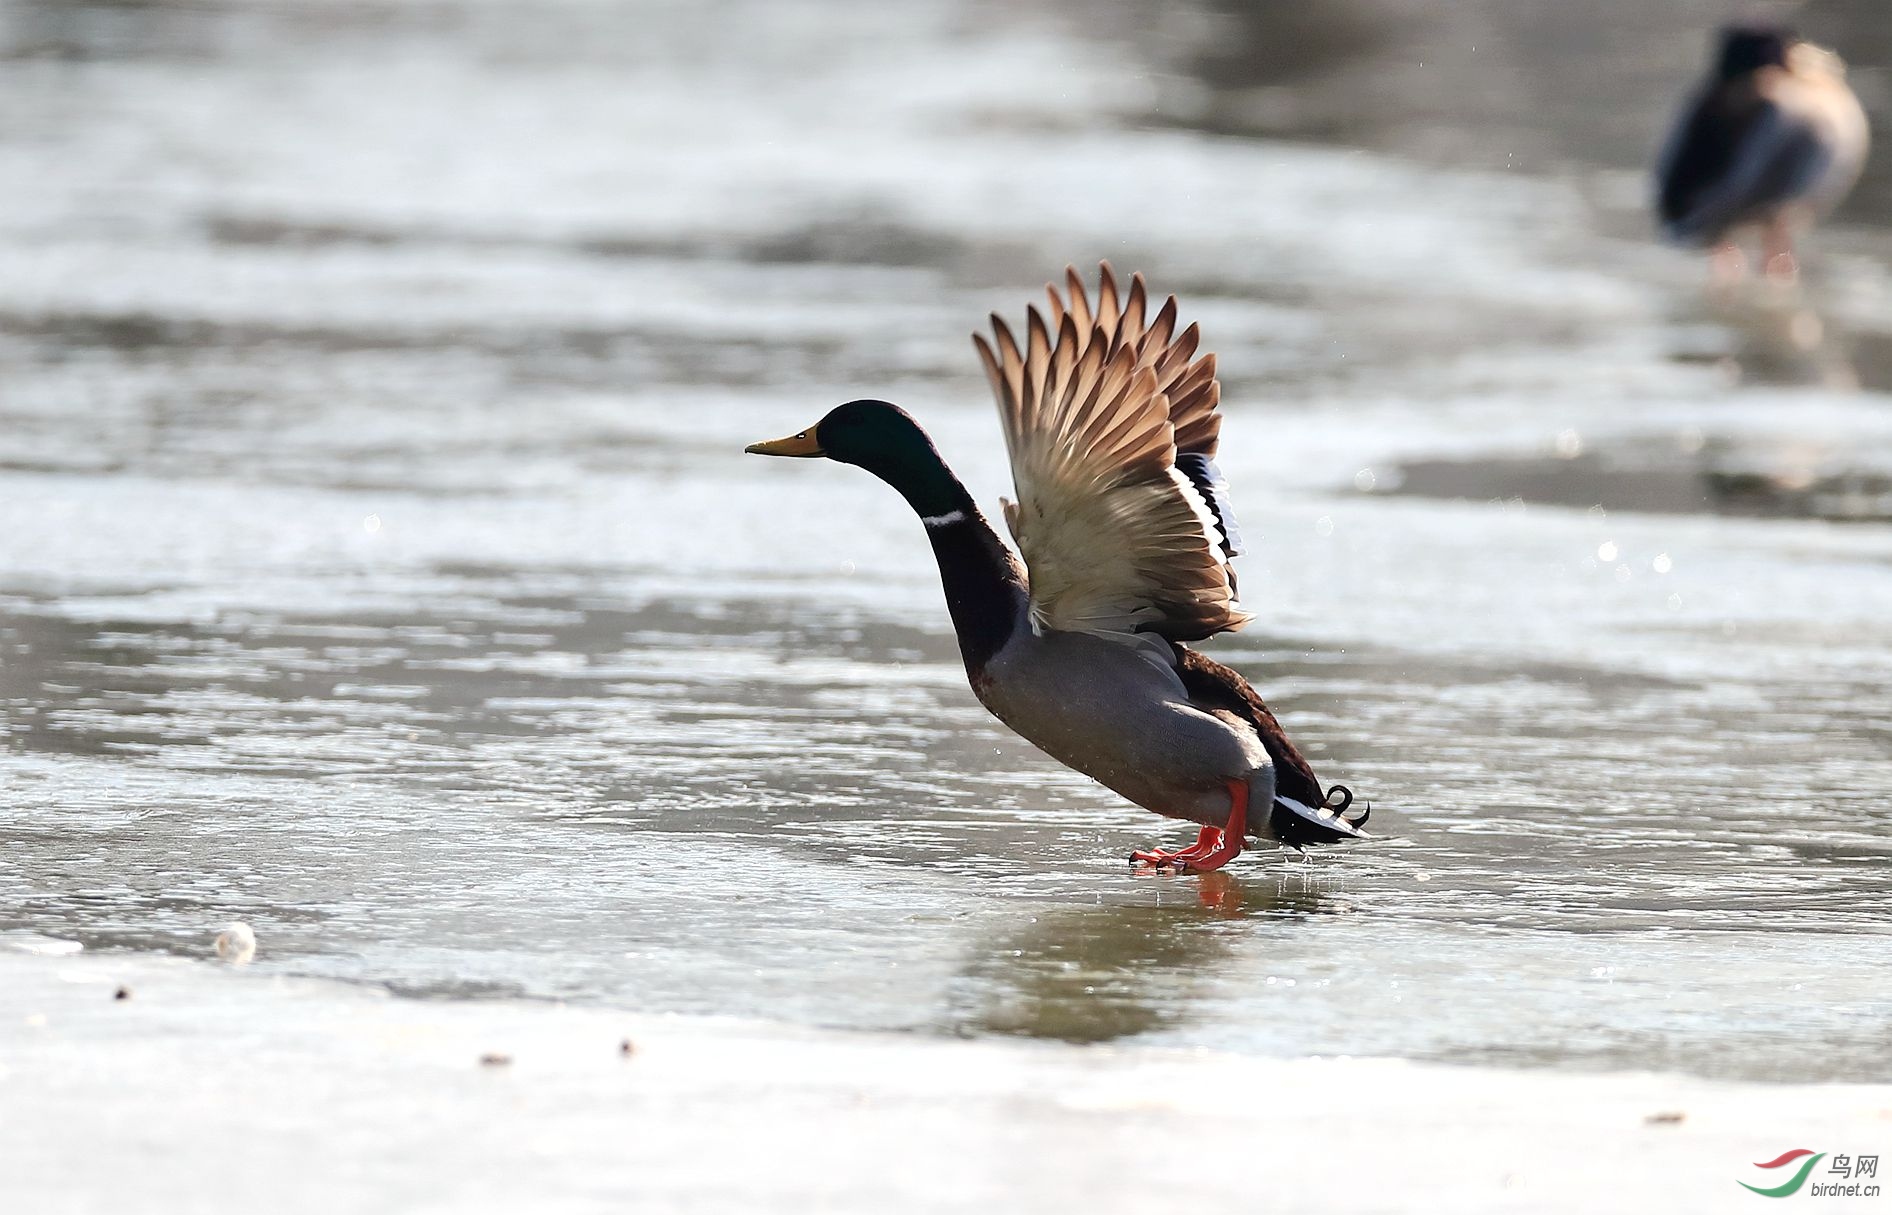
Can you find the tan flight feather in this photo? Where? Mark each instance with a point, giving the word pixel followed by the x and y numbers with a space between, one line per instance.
pixel 1096 405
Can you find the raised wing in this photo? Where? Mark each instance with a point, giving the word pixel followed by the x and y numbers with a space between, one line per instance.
pixel 1111 424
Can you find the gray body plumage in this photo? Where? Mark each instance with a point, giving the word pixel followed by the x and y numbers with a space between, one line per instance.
pixel 1121 716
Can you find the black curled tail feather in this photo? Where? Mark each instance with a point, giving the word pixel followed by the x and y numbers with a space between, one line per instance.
pixel 1339 799
pixel 1298 826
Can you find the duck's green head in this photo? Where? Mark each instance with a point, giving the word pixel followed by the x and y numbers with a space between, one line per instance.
pixel 884 440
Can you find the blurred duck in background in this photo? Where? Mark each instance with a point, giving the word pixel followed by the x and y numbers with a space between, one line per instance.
pixel 1771 141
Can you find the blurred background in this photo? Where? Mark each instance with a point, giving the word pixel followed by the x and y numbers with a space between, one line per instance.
pixel 379 564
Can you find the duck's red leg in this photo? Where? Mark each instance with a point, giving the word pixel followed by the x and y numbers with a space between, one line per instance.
pixel 1727 265
pixel 1777 259
pixel 1214 846
pixel 1230 845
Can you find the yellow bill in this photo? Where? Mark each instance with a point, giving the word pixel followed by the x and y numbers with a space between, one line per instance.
pixel 802 444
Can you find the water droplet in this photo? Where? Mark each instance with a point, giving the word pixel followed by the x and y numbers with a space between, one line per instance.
pixel 1662 563
pixel 371 524
pixel 1606 551
pixel 1324 526
pixel 236 944
pixel 1364 480
pixel 1569 444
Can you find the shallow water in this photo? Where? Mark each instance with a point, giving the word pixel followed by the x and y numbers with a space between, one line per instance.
pixel 382 568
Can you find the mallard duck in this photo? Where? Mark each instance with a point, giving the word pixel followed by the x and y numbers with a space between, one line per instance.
pixel 1772 140
pixel 1124 523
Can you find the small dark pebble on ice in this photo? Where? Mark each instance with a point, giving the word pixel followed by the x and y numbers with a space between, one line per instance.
pixel 495 1059
pixel 1666 1118
pixel 123 993
pixel 627 1048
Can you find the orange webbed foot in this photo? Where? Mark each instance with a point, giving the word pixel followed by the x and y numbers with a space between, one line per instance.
pixel 1214 846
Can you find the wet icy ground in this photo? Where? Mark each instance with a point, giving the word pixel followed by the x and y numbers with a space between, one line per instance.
pixel 380 565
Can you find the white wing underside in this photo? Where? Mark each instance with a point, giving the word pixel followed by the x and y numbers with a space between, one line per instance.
pixel 1096 407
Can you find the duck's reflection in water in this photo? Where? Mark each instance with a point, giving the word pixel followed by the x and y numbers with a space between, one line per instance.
pixel 1095 974
pixel 1779 338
